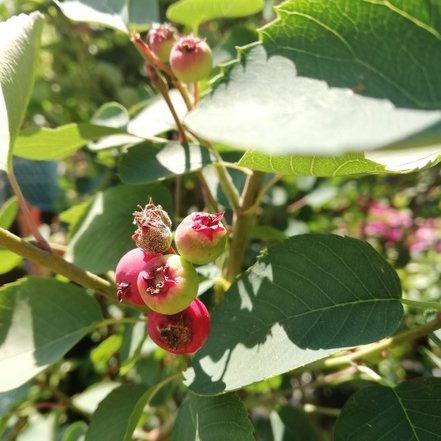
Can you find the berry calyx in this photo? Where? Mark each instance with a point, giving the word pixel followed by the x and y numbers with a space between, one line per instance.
pixel 182 333
pixel 126 275
pixel 161 39
pixel 200 237
pixel 191 59
pixel 168 283
pixel 153 233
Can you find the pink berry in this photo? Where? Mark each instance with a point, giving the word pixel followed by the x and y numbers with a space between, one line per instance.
pixel 153 233
pixel 126 275
pixel 200 237
pixel 168 283
pixel 182 333
pixel 161 39
pixel 191 59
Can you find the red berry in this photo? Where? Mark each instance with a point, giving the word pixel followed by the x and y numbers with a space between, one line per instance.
pixel 161 39
pixel 182 333
pixel 126 275
pixel 168 283
pixel 191 59
pixel 153 233
pixel 200 237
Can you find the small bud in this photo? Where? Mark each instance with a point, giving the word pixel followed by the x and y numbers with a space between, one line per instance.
pixel 161 39
pixel 191 59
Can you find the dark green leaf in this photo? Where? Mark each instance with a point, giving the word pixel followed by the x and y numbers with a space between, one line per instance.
pixel 411 412
pixel 194 12
pixel 105 233
pixel 41 143
pixel 41 319
pixel 148 162
pixel 305 298
pixel 325 82
pixel 212 419
pixel 20 37
pixel 75 432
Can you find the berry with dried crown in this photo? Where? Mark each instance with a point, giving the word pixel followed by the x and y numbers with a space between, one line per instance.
pixel 182 333
pixel 161 39
pixel 200 237
pixel 191 59
pixel 168 283
pixel 126 275
pixel 153 233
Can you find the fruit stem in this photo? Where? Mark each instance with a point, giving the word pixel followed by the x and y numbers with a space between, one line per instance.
pixel 56 264
pixel 421 305
pixel 262 192
pixel 24 207
pixel 242 223
pixel 195 93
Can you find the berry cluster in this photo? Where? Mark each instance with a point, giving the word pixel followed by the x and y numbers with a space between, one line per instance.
pixel 190 57
pixel 154 275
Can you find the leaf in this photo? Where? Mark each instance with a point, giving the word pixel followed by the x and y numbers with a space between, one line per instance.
pixel 306 298
pixel 411 411
pixel 156 118
pixel 8 260
pixel 325 83
pixel 148 162
pixel 89 399
pixel 101 354
pixel 105 233
pixel 211 419
pixel 111 115
pixel 118 414
pixel 75 432
pixel 8 212
pixel 20 37
pixel 41 143
pixel 41 319
pixel 38 427
pixel 116 14
pixel 194 12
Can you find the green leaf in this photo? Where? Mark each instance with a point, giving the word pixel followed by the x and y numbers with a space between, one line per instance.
pixel 75 432
pixel 104 235
pixel 292 424
pixel 211 419
pixel 8 260
pixel 411 411
pixel 376 162
pixel 89 399
pixel 148 162
pixel 41 319
pixel 20 37
pixel 194 12
pixel 101 354
pixel 326 83
pixel 111 115
pixel 116 14
pixel 8 212
pixel 306 298
pixel 41 143
pixel 118 414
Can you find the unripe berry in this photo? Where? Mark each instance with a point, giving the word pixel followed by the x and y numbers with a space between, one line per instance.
pixel 168 283
pixel 200 237
pixel 182 333
pixel 161 39
pixel 153 233
pixel 191 59
pixel 126 275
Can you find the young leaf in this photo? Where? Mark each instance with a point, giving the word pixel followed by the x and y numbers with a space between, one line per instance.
pixel 41 320
pixel 116 14
pixel 105 233
pixel 211 419
pixel 327 83
pixel 411 411
pixel 20 37
pixel 8 212
pixel 41 143
pixel 163 161
pixel 194 12
pixel 305 298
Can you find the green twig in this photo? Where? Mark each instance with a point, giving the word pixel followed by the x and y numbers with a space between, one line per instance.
pixel 56 264
pixel 421 305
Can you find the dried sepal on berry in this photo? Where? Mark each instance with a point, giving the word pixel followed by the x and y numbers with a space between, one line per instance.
pixel 161 39
pixel 153 232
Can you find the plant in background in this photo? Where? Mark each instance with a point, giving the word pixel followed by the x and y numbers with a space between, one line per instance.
pixel 310 127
